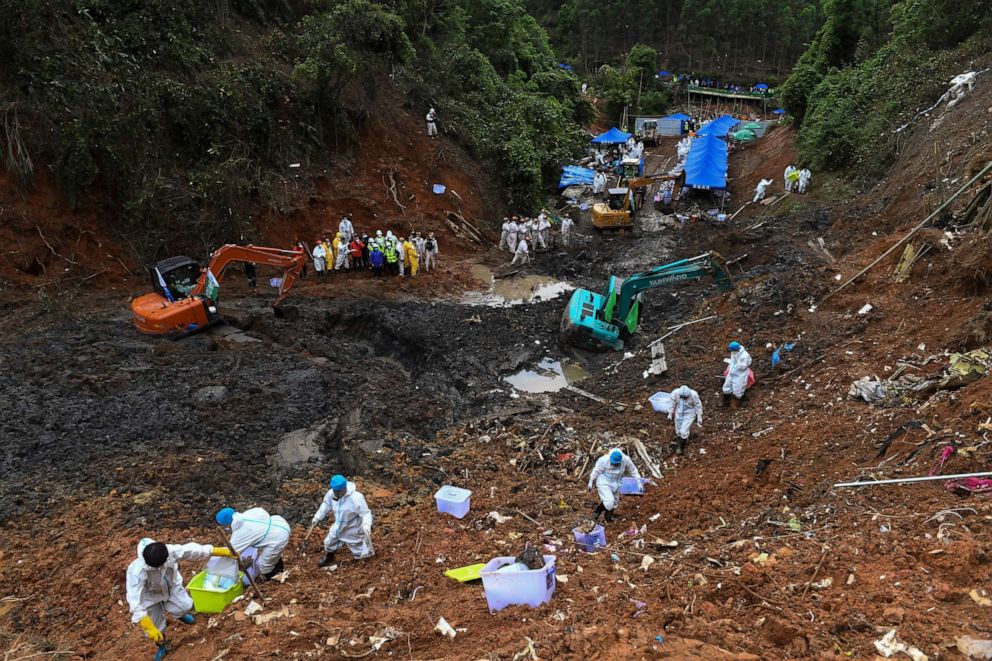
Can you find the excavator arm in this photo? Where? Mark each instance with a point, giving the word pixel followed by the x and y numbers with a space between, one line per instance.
pixel 597 321
pixel 290 261
pixel 625 306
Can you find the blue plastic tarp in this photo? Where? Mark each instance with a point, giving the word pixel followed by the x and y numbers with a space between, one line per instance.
pixel 706 165
pixel 663 74
pixel 778 111
pixel 612 137
pixel 566 67
pixel 573 174
pixel 678 115
pixel 720 126
pixel 761 86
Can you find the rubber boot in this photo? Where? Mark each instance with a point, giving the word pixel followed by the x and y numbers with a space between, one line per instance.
pixel 725 400
pixel 609 516
pixel 188 619
pixel 160 654
pixel 598 512
pixel 735 404
pixel 278 568
pixel 681 445
pixel 326 560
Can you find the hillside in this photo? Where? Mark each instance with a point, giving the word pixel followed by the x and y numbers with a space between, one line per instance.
pixel 402 384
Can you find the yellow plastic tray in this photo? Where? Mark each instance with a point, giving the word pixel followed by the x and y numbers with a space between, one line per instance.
pixel 467 573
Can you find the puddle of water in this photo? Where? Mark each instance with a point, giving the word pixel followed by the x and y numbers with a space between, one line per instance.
pixel 549 376
pixel 511 291
pixel 297 447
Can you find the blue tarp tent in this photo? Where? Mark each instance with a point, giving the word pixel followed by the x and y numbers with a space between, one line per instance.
pixel 664 74
pixel 761 86
pixel 778 111
pixel 573 174
pixel 719 127
pixel 706 165
pixel 566 67
pixel 612 137
pixel 678 115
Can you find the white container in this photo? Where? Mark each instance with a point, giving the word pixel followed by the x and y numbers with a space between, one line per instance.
pixel 531 587
pixel 454 501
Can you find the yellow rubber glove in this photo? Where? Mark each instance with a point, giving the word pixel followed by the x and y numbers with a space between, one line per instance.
pixel 222 551
pixel 150 629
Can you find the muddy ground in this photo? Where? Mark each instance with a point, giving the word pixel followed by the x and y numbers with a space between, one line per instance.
pixel 109 436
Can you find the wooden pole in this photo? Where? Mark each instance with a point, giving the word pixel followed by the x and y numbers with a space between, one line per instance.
pixel 912 232
pixel 908 480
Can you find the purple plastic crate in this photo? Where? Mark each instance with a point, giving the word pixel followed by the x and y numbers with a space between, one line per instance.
pixel 592 541
pixel 531 587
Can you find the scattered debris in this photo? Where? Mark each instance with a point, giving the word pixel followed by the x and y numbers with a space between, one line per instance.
pixel 253 607
pixel 268 617
pixel 979 599
pixel 444 628
pixel 888 646
pixel 974 648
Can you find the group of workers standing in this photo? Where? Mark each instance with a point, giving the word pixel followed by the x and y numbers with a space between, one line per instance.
pixel 518 234
pixel 389 254
pixel 154 586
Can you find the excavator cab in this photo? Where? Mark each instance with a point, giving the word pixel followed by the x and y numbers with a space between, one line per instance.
pixel 618 199
pixel 174 278
pixel 605 321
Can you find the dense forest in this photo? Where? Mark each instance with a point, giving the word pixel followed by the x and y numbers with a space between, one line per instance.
pixel 749 39
pixel 185 114
pixel 872 65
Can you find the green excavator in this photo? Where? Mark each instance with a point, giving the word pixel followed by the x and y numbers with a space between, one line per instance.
pixel 602 321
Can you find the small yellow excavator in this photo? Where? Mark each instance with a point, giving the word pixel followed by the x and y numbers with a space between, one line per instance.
pixel 619 210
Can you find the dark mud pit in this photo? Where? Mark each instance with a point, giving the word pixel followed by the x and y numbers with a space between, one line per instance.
pixel 90 405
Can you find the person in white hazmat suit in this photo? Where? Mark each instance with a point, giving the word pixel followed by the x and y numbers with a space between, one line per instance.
pixel 513 235
pixel 504 233
pixel 543 225
pixel 346 229
pixel 352 525
pixel 319 258
pixel 599 183
pixel 155 586
pixel 521 256
pixel 735 383
pixel 606 476
pixel 255 527
pixel 686 409
pixel 566 230
pixel 759 190
pixel 804 176
pixel 789 169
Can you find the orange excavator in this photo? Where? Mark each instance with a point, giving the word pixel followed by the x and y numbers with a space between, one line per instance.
pixel 185 296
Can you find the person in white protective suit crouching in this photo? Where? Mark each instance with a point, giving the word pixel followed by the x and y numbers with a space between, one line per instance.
pixel 606 476
pixel 352 525
pixel 268 534
pixel 155 586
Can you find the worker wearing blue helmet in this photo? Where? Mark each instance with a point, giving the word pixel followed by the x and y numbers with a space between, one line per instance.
pixel 255 527
pixel 738 368
pixel 606 476
pixel 352 525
